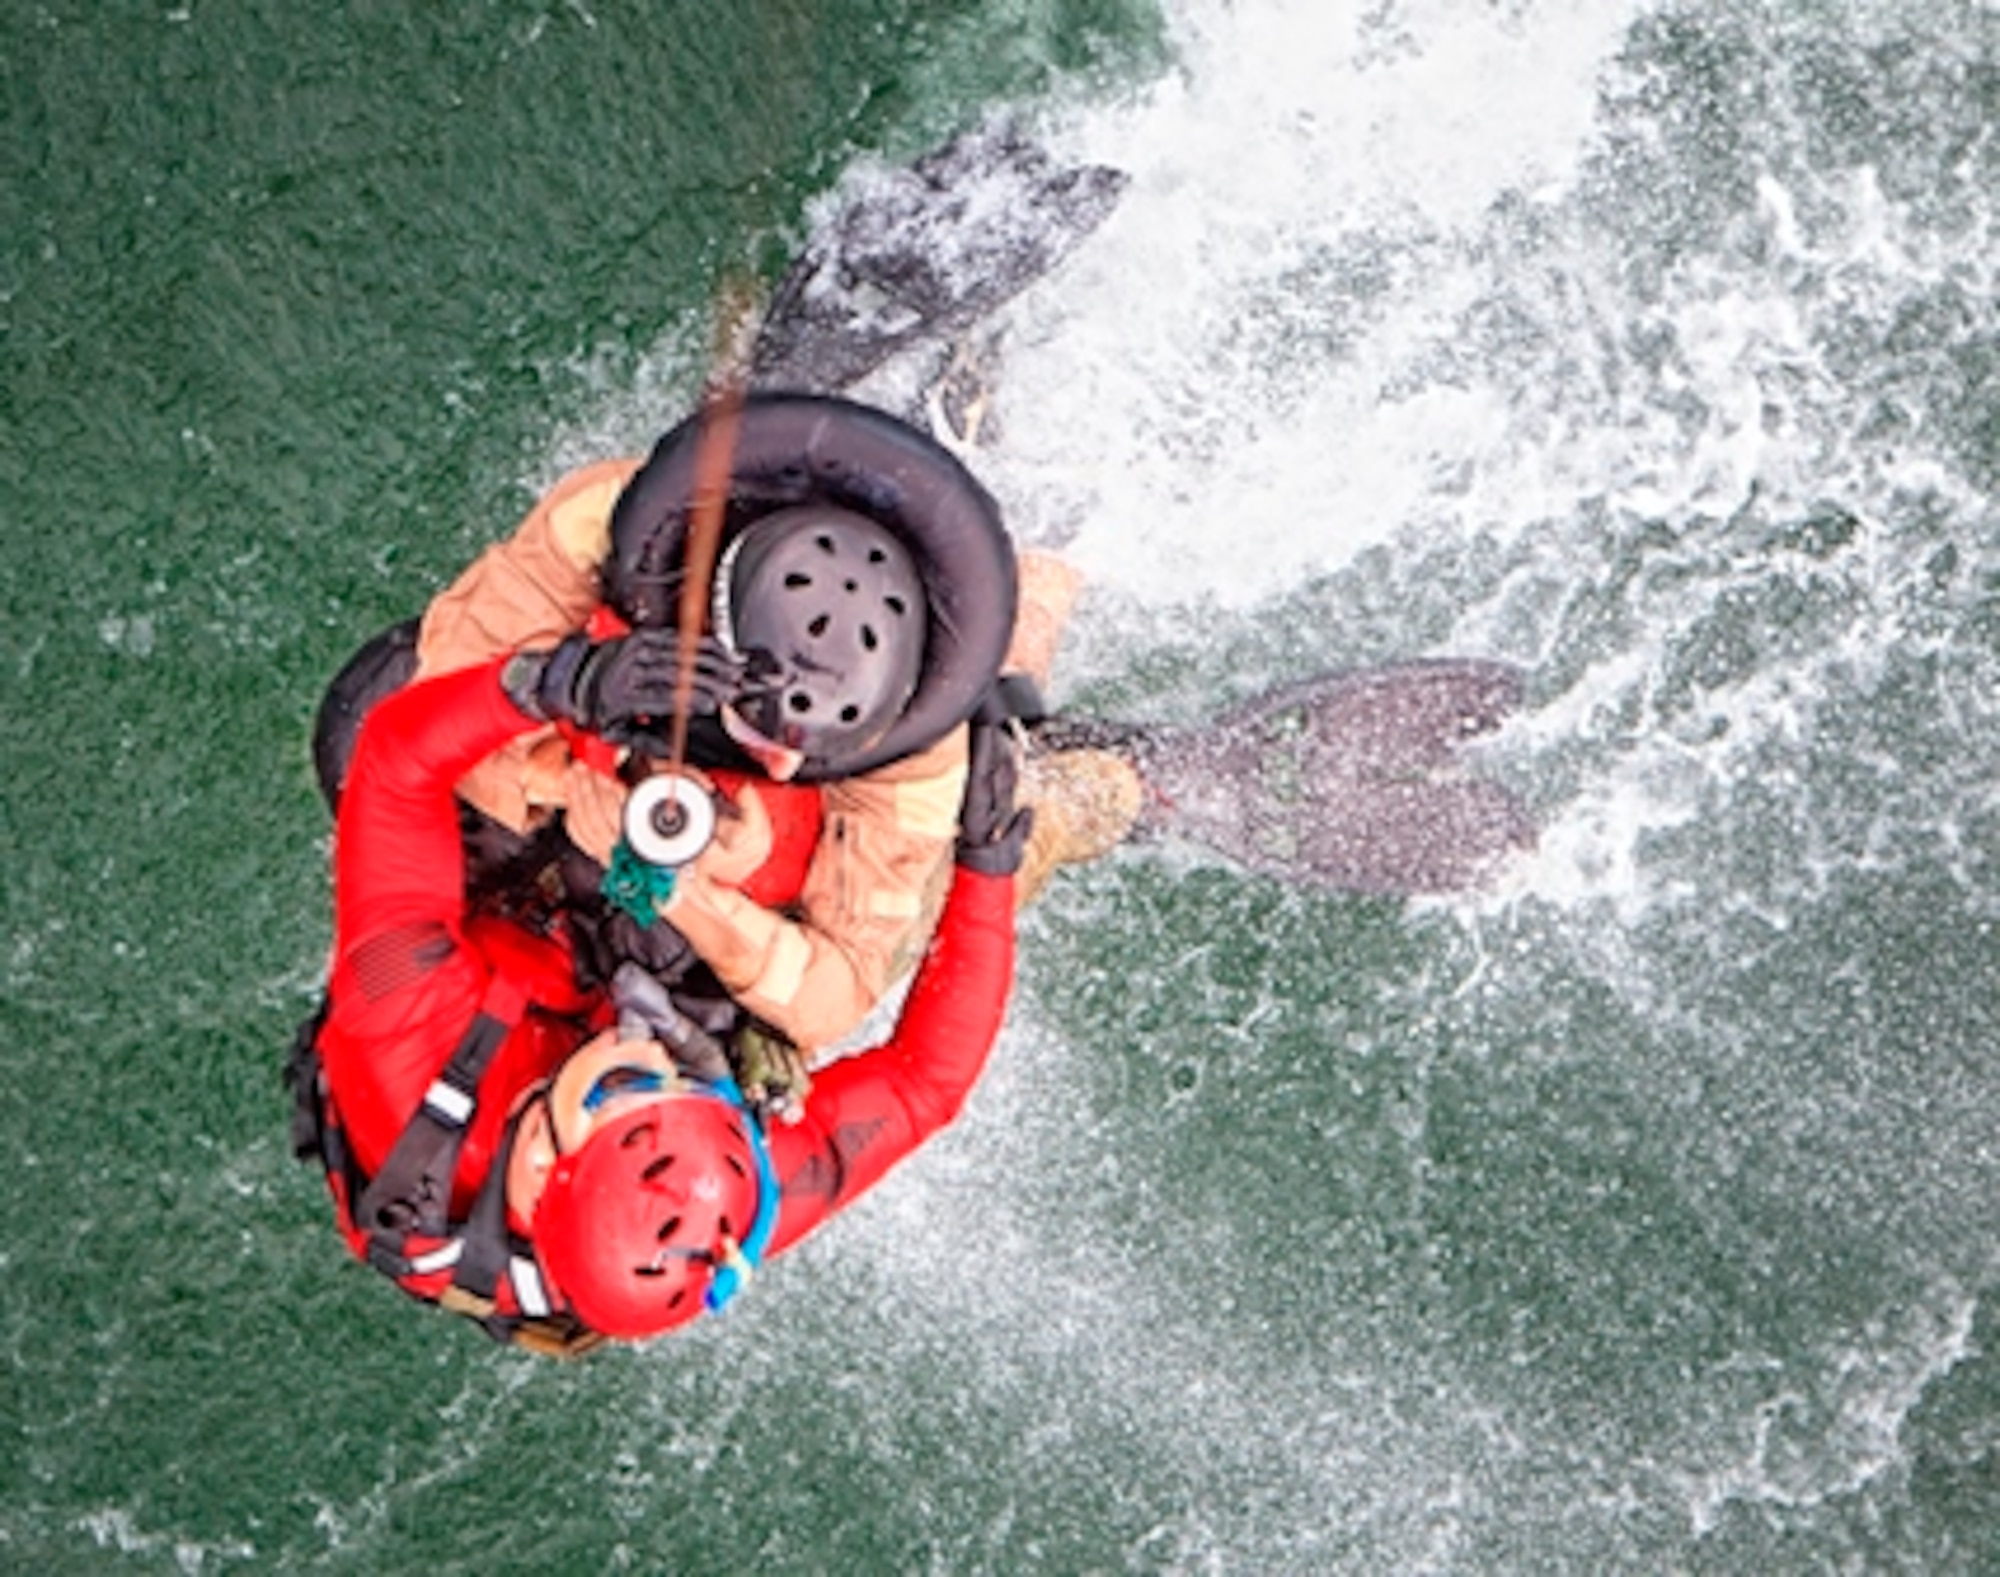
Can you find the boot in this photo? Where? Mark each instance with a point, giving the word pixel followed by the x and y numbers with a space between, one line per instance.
pixel 1085 803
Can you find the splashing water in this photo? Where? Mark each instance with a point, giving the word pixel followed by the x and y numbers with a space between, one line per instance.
pixel 1632 1213
pixel 1639 345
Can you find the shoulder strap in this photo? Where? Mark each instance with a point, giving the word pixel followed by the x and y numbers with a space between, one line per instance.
pixel 478 1251
pixel 411 1191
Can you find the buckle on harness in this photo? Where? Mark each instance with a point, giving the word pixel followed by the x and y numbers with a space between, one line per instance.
pixel 448 1103
pixel 396 1265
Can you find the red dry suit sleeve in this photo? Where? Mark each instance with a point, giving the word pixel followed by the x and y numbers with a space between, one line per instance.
pixel 397 854
pixel 867 1112
pixel 406 980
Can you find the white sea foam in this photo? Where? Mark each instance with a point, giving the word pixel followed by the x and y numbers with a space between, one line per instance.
pixel 1829 1424
pixel 119 1529
pixel 1259 369
pixel 1197 405
pixel 1068 1336
pixel 1254 373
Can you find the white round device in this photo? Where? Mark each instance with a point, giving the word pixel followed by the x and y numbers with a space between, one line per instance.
pixel 668 820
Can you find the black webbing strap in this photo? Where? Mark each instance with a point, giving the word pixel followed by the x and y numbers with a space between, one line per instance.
pixel 411 1192
pixel 478 1250
pixel 302 1079
pixel 487 1247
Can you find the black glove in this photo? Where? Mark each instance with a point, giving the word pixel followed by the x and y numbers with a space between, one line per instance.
pixel 605 937
pixel 721 677
pixel 991 833
pixel 617 687
pixel 646 1011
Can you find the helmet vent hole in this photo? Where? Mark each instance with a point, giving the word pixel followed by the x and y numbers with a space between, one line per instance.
pixel 656 1169
pixel 852 586
pixel 724 1228
pixel 868 637
pixel 817 628
pixel 849 712
pixel 797 580
pixel 735 1164
pixel 680 1294
pixel 877 556
pixel 799 701
pixel 824 543
pixel 637 1134
pixel 668 1228
pixel 896 605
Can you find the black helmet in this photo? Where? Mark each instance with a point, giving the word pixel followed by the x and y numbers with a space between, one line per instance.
pixel 797 450
pixel 382 667
pixel 837 601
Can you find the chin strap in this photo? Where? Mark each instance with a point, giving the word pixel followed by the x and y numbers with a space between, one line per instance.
pixel 740 1260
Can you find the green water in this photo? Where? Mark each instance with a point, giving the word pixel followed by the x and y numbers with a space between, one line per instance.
pixel 1641 1221
pixel 291 303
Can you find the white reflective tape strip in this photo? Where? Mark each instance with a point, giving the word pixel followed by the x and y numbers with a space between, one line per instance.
pixel 437 1259
pixel 454 1106
pixel 528 1289
pixel 784 971
pixel 927 807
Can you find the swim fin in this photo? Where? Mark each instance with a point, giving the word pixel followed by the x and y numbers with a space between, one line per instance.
pixel 924 252
pixel 1347 782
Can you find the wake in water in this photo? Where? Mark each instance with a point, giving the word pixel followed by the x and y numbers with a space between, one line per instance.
pixel 1635 346
pixel 1638 1214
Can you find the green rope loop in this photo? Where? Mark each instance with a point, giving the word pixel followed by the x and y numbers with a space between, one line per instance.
pixel 636 886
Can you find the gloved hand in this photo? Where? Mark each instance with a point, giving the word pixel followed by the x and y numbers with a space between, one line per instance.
pixel 616 687
pixel 739 680
pixel 991 833
pixel 645 1011
pixel 771 1072
pixel 605 936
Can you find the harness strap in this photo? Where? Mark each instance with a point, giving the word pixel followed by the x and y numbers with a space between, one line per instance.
pixel 302 1079
pixel 490 1251
pixel 484 1238
pixel 384 1256
pixel 530 1293
pixel 411 1191
pixel 479 1249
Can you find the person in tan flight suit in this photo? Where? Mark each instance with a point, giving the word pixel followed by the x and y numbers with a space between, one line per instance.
pixel 812 967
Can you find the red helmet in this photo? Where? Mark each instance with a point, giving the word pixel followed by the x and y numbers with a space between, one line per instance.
pixel 658 1215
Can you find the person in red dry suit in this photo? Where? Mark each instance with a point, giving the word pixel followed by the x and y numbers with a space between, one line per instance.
pixel 566 1165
